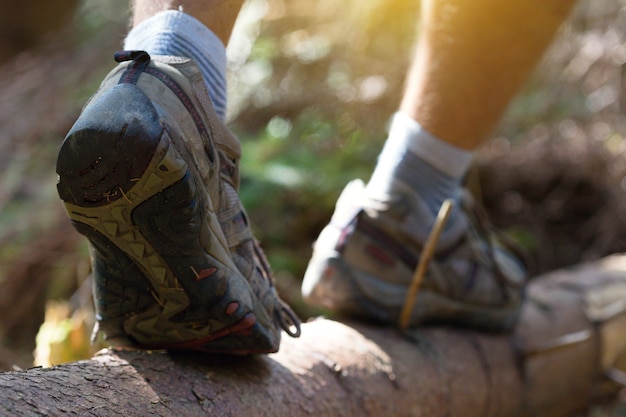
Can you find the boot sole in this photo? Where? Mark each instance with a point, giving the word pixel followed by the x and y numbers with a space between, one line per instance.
pixel 129 189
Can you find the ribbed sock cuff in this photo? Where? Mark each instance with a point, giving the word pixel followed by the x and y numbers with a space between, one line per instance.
pixel 412 156
pixel 176 33
pixel 408 133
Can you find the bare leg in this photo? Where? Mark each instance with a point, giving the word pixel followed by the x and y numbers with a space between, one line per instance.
pixel 472 58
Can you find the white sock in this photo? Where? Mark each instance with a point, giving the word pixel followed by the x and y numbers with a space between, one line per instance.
pixel 427 164
pixel 176 33
pixel 432 168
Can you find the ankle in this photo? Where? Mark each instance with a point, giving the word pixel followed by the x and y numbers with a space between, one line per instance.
pixel 428 166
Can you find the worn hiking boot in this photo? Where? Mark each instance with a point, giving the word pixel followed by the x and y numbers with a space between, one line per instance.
pixel 149 175
pixel 365 260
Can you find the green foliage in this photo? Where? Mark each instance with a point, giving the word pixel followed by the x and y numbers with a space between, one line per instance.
pixel 310 104
pixel 313 97
pixel 292 175
pixel 95 16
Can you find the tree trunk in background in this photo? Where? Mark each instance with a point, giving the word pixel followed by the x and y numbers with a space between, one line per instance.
pixel 570 337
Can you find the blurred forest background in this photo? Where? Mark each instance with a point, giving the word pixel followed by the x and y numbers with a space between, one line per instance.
pixel 312 86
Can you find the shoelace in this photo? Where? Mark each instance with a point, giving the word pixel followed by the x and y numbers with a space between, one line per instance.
pixel 427 253
pixel 283 314
pixel 484 229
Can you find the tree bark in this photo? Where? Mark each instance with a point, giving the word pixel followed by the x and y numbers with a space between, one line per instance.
pixel 569 343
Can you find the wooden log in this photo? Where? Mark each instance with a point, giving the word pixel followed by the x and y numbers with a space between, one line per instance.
pixel 569 343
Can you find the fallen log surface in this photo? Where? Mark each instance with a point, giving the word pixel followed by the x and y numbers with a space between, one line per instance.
pixel 569 344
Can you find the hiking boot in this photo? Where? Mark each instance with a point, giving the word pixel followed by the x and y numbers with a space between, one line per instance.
pixel 149 174
pixel 365 260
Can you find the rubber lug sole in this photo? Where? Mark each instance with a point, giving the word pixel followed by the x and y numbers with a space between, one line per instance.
pixel 131 193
